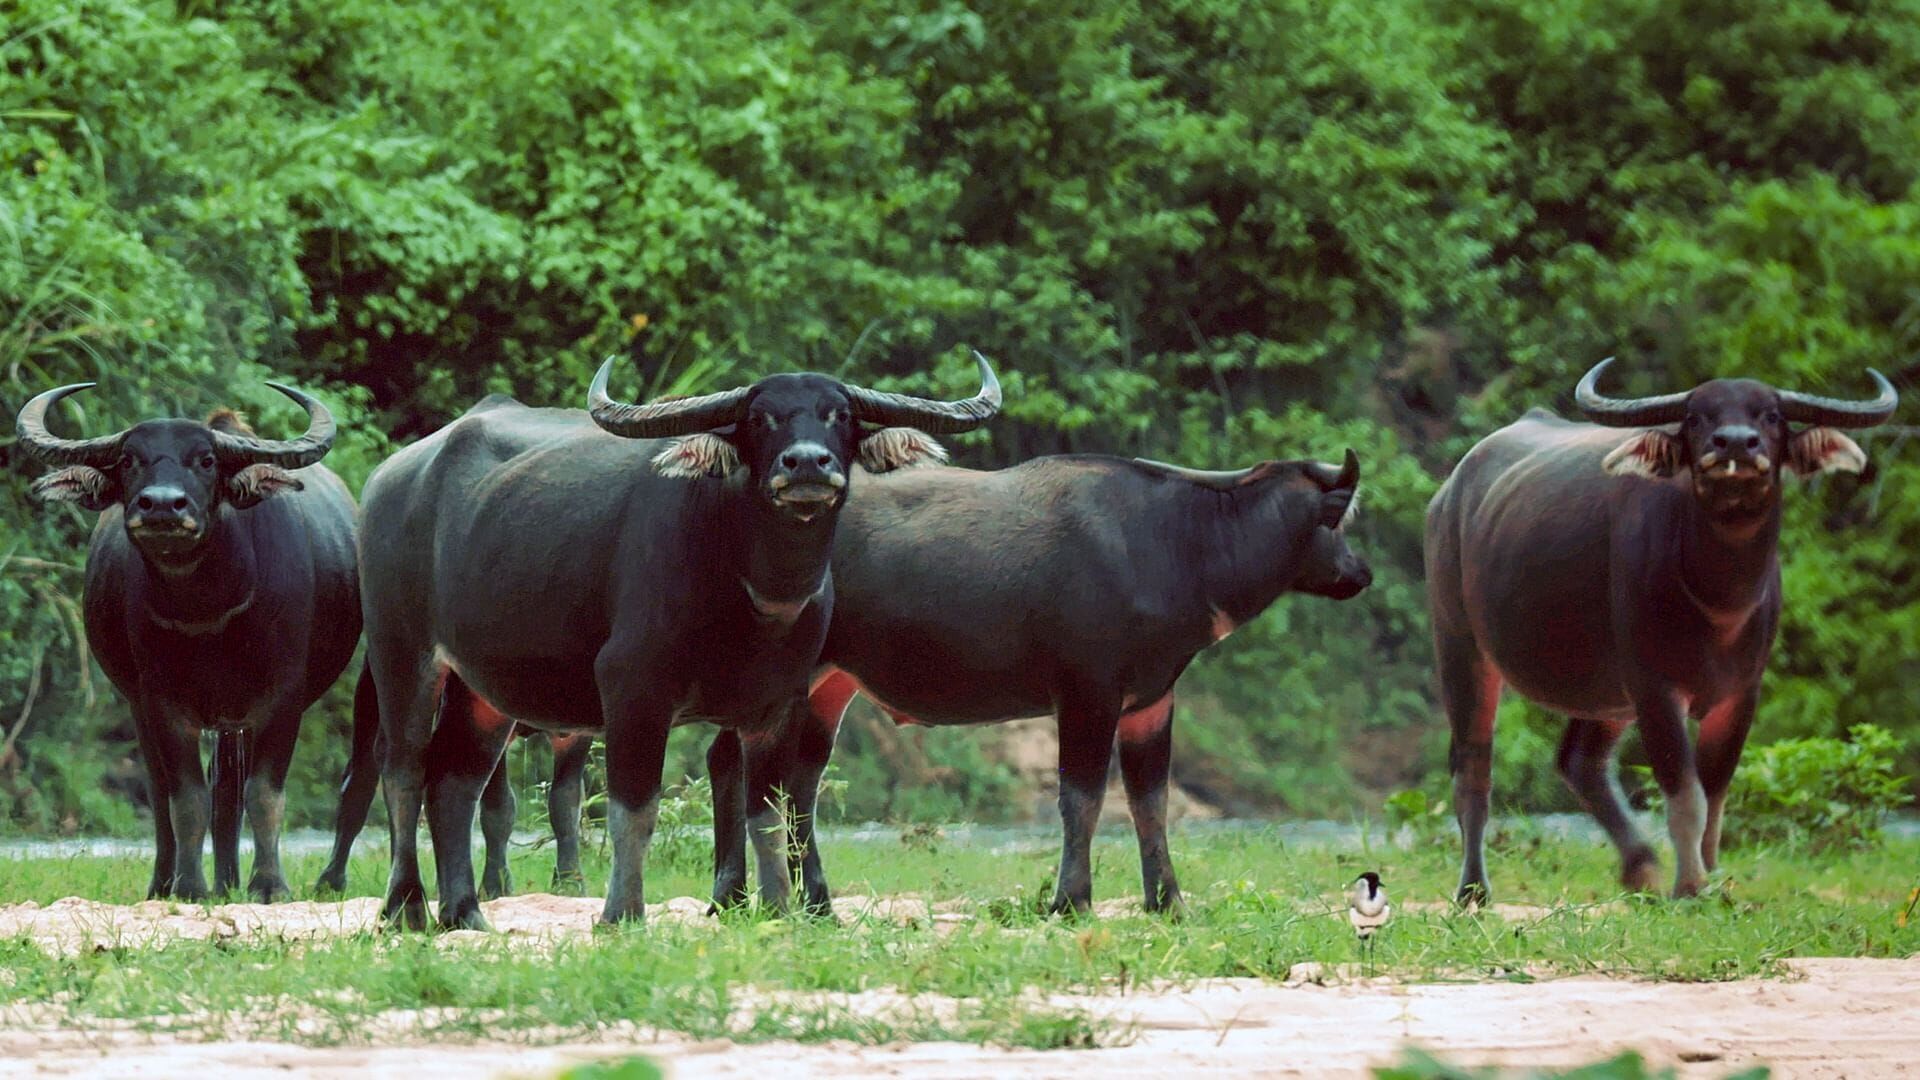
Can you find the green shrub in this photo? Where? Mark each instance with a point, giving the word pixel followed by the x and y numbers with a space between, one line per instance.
pixel 1822 792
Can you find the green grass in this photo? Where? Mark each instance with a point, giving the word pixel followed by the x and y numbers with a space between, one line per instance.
pixel 1257 909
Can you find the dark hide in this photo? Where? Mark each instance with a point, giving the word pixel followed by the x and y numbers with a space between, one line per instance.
pixel 219 596
pixel 1620 577
pixel 526 563
pixel 1080 586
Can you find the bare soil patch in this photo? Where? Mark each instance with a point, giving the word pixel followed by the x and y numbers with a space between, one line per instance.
pixel 1830 1017
pixel 1833 1018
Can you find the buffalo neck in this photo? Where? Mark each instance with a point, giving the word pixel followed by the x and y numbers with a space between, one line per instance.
pixel 1249 548
pixel 783 559
pixel 1727 569
pixel 201 594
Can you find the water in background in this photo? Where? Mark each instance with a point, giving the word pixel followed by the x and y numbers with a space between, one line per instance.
pixel 997 839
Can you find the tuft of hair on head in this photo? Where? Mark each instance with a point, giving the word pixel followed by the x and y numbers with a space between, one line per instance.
pixel 705 454
pixel 1353 511
pixel 232 421
pixel 900 448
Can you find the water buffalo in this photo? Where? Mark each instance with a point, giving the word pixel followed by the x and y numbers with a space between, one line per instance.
pixel 579 573
pixel 221 594
pixel 1077 585
pixel 1621 576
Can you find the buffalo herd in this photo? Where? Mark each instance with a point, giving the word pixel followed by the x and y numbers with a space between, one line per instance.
pixel 755 558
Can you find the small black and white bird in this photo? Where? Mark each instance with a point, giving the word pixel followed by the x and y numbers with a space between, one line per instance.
pixel 1368 910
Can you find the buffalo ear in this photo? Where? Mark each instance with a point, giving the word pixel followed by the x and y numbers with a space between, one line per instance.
pixel 1338 506
pixel 705 454
pixel 1650 453
pixel 83 484
pixel 250 486
pixel 1824 450
pixel 899 448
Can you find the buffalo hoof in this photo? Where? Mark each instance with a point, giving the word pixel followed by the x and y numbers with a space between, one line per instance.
pixel 821 911
pixel 1640 873
pixel 632 920
pixel 1071 908
pixel 191 893
pixel 1473 895
pixel 332 882
pixel 494 886
pixel 1174 910
pixel 1167 901
pixel 269 891
pixel 569 883
pixel 463 916
pixel 405 912
pixel 1686 888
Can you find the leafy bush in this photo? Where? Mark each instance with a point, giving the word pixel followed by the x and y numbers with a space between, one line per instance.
pixel 1823 792
pixel 1192 231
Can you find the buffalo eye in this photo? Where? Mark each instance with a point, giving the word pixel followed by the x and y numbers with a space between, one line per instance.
pixel 1772 418
pixel 206 460
pixel 1694 421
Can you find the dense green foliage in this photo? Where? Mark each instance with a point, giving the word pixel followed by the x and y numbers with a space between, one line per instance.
pixel 1817 792
pixel 1196 230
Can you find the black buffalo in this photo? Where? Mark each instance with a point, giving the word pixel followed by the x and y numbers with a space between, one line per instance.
pixel 1622 576
pixel 221 595
pixel 1080 586
pixel 574 571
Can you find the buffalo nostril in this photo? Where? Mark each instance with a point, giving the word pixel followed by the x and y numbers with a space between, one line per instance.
pixel 144 502
pixel 789 461
pixel 180 505
pixel 1719 442
pixel 823 460
pixel 1753 442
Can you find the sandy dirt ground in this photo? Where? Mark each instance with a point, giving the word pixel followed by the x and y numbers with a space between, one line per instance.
pixel 1830 1018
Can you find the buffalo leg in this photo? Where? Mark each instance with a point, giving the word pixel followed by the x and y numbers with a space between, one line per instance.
pixel 1585 761
pixel 725 775
pixel 408 696
pixel 229 800
pixel 1723 734
pixel 809 744
pixel 563 809
pixel 1470 691
pixel 1663 731
pixel 461 757
pixel 638 710
pixel 356 788
pixel 159 785
pixel 1146 762
pixel 497 807
pixel 1087 725
pixel 267 804
pixel 187 807
pixel 768 823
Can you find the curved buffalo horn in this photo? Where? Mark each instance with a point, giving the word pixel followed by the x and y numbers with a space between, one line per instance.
pixel 933 417
pixel 1833 412
pixel 1347 477
pixel 659 419
pixel 240 450
pixel 50 448
pixel 1626 412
